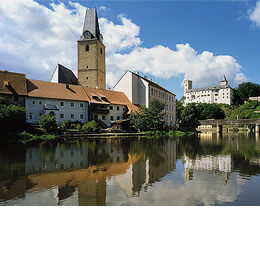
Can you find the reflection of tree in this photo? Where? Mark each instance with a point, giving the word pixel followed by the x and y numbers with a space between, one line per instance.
pixel 193 147
pixel 12 161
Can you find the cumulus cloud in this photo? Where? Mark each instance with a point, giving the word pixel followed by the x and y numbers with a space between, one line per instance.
pixel 254 14
pixel 35 37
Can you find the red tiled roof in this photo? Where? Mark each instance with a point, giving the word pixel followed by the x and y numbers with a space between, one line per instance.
pixel 12 83
pixel 44 89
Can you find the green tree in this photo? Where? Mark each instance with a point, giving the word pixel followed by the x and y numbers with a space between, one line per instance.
pixel 12 118
pixel 179 108
pixel 244 91
pixel 150 118
pixel 91 127
pixel 196 111
pixel 48 122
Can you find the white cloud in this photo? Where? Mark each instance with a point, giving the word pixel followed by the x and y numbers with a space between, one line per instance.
pixel 254 14
pixel 35 37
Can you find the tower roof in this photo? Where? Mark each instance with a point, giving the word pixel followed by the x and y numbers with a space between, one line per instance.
pixel 91 22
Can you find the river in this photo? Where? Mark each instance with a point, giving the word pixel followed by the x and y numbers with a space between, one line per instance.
pixel 205 169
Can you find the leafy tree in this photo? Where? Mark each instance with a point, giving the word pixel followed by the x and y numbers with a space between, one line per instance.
pixel 2 101
pixel 12 118
pixel 244 91
pixel 48 122
pixel 211 111
pixel 91 126
pixel 179 108
pixel 150 118
pixel 196 111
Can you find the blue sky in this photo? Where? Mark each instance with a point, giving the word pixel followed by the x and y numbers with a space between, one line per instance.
pixel 168 41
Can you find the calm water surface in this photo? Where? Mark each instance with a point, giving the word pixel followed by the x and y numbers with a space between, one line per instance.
pixel 207 169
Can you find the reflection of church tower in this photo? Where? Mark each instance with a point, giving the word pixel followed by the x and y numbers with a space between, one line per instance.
pixel 91 53
pixel 92 193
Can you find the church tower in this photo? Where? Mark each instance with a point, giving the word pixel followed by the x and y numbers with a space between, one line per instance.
pixel 91 53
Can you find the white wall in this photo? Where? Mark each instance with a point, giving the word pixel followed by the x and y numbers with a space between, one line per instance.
pixel 36 107
pixel 125 85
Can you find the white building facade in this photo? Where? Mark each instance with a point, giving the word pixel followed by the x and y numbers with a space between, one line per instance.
pixel 140 91
pixel 213 94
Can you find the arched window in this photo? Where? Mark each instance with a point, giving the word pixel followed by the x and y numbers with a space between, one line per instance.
pixel 87 48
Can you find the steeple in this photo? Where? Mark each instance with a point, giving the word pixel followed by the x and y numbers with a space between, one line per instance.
pixel 91 53
pixel 224 81
pixel 91 24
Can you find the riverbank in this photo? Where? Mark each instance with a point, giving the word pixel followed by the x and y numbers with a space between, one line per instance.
pixel 39 135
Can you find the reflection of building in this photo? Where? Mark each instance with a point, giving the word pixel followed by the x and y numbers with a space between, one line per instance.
pixel 219 164
pixel 143 173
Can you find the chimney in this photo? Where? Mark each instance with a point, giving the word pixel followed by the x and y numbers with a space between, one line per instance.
pixel 108 88
pixel 137 73
pixel 97 87
pixel 67 86
pixel 150 79
pixel 6 83
pixel 145 76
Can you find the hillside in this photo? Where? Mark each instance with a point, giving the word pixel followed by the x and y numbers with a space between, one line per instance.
pixel 245 111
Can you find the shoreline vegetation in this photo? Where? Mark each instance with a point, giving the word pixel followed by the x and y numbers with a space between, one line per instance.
pixel 41 135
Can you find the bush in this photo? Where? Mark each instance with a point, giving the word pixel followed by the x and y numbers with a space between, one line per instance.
pixel 48 123
pixel 91 127
pixel 65 125
pixel 12 118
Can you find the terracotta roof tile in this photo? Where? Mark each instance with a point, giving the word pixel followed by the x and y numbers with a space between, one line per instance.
pixel 12 83
pixel 44 89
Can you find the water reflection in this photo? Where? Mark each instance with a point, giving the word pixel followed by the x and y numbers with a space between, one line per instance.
pixel 207 169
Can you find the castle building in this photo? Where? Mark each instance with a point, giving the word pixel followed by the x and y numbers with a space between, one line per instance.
pixel 213 94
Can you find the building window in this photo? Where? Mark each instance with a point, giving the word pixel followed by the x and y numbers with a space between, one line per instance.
pixel 33 102
pixel 81 116
pixel 87 48
pixel 86 77
pixel 111 107
pixel 152 91
pixel 118 117
pixel 103 117
pixel 40 102
pixel 101 51
pixel 16 99
pixel 111 118
pixel 72 116
pixel 117 108
pixel 72 104
pixel 61 115
pixel 30 116
pixel 62 104
pixel 81 105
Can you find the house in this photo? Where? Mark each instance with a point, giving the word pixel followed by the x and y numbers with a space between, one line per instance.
pixel 66 102
pixel 13 87
pixel 75 103
pixel 141 90
pixel 213 94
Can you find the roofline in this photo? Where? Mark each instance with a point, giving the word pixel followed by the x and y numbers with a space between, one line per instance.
pixel 208 88
pixel 149 81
